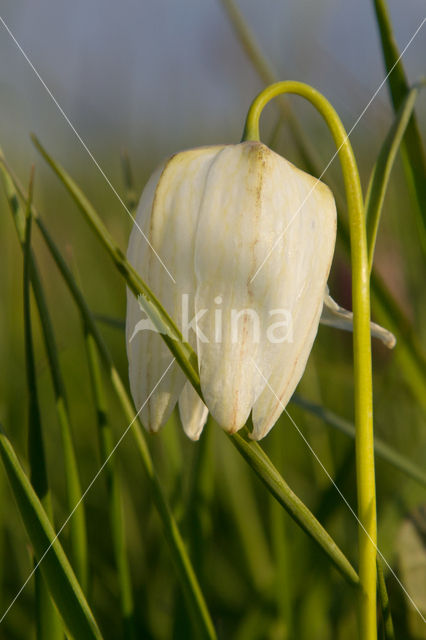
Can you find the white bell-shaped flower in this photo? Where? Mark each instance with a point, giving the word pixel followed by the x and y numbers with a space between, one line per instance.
pixel 237 245
pixel 247 239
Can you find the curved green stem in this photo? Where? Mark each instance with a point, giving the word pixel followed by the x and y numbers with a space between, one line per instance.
pixel 363 395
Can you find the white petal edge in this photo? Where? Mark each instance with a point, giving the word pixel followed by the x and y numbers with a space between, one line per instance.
pixel 240 217
pixel 314 229
pixel 167 215
pixel 193 412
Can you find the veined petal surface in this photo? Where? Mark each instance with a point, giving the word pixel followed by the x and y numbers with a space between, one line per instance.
pixel 167 215
pixel 307 249
pixel 253 262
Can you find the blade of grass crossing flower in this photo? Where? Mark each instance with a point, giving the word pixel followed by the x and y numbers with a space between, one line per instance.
pixel 388 629
pixel 187 359
pixel 56 570
pixel 115 506
pixel 48 623
pixel 382 449
pixel 78 538
pixel 189 582
pixel 379 179
pixel 413 153
pixel 162 321
pixel 269 475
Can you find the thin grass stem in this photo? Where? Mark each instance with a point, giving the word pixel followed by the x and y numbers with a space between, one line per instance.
pixel 413 153
pixel 380 175
pixel 54 565
pixel 48 623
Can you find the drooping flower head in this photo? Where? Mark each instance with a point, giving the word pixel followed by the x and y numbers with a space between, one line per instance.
pixel 247 240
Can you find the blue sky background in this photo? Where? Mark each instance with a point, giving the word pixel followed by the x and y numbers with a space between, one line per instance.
pixel 165 74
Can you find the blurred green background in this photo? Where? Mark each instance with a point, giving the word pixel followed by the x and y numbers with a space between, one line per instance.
pixel 154 78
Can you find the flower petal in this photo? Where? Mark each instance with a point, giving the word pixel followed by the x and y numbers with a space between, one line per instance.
pixel 193 412
pixel 252 199
pixel 307 247
pixel 333 315
pixel 167 215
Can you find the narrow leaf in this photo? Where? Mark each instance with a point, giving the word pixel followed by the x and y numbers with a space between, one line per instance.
pixel 115 505
pixel 382 169
pixel 54 565
pixel 413 152
pixel 270 476
pixel 48 623
pixel 78 524
pixel 388 629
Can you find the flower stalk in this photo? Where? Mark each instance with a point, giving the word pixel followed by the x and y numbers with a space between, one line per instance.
pixel 363 395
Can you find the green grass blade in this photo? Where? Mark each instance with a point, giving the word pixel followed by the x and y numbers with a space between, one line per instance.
pixel 115 506
pixel 379 179
pixel 388 629
pixel 131 196
pixel 414 158
pixel 382 449
pixel 48 623
pixel 187 359
pixel 78 536
pixel 36 453
pixel 270 476
pixel 178 552
pixel 409 353
pixel 56 570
